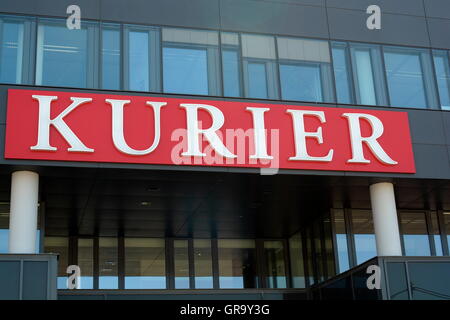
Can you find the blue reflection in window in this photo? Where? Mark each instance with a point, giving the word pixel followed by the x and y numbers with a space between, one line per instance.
pixel 441 64
pixel 111 59
pixel 301 82
pixel 365 246
pixel 11 51
pixel 231 282
pixel 139 61
pixel 257 80
pixel 62 56
pixel 231 79
pixel 4 241
pixel 182 282
pixel 185 70
pixel 145 282
pixel 108 282
pixel 416 245
pixel 342 248
pixel 203 282
pixel 438 245
pixel 405 79
pixel 341 75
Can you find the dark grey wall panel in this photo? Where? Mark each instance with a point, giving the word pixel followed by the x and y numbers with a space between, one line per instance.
pixel 432 161
pixel 439 32
pixel 320 3
pixel 395 29
pixel 274 18
pixel 426 127
pixel 192 13
pixel 437 8
pixel 446 124
pixel 9 280
pixel 410 7
pixel 90 9
pixel 35 280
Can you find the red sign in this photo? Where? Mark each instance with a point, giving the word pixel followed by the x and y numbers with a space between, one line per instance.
pixel 74 126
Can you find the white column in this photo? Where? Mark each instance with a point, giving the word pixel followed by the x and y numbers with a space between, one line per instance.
pixel 385 221
pixel 23 212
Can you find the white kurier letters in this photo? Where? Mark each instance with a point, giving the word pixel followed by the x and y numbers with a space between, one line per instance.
pixel 44 123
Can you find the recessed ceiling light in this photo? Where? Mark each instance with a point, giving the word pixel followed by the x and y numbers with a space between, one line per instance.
pixel 146 203
pixel 447 212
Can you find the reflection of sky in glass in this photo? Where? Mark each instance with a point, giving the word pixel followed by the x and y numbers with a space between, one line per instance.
pixel 365 247
pixel 231 282
pixel 4 240
pixel 181 282
pixel 145 282
pixel 108 282
pixel 416 245
pixel 203 282
pixel 185 71
pixel 301 82
pixel 438 245
pixel 230 63
pixel 342 252
pixel 257 82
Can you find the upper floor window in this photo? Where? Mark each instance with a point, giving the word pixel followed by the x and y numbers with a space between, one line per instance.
pixel 259 68
pixel 111 57
pixel 14 42
pixel 441 65
pixel 342 73
pixel 368 74
pixel 142 67
pixel 231 65
pixel 191 61
pixel 305 70
pixel 65 57
pixel 409 77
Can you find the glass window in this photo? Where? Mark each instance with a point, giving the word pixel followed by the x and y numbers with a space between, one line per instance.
pixel 364 237
pixel 138 63
pixel 203 264
pixel 405 76
pixel 145 263
pixel 111 56
pixel 296 259
pixel 13 49
pixel 305 70
pixel 190 61
pixel 398 286
pixel 181 263
pixel 414 233
pixel 300 82
pixel 429 281
pixel 260 73
pixel 231 62
pixel 86 263
pixel 108 263
pixel 237 264
pixel 59 245
pixel 142 71
pixel 64 57
pixel 275 265
pixel 441 65
pixel 436 232
pixel 446 216
pixel 342 74
pixel 185 71
pixel 4 229
pixel 341 241
pixel 368 74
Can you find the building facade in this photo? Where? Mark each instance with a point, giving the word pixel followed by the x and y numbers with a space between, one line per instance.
pixel 362 145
